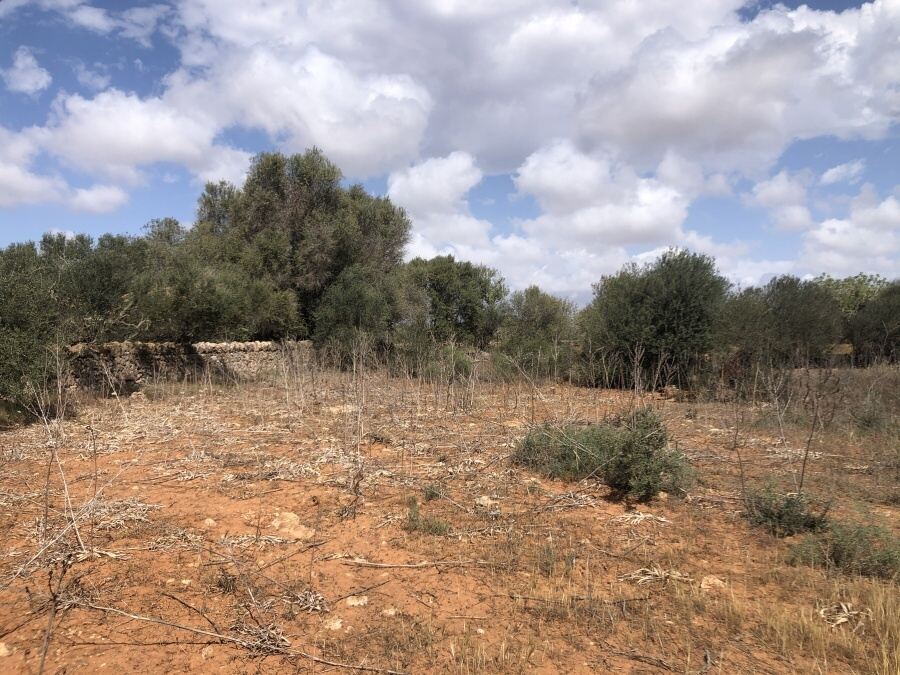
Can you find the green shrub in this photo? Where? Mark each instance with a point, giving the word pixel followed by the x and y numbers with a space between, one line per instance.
pixel 416 522
pixel 627 453
pixel 867 550
pixel 784 515
pixel 449 364
pixel 433 491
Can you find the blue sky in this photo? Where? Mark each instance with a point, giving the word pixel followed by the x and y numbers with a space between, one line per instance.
pixel 554 140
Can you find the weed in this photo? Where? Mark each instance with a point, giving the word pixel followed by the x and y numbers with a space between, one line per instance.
pixel 851 548
pixel 784 515
pixel 551 560
pixel 432 492
pixel 416 522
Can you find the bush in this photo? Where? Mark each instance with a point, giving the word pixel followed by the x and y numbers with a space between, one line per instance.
pixel 627 453
pixel 784 515
pixel 416 522
pixel 449 364
pixel 867 550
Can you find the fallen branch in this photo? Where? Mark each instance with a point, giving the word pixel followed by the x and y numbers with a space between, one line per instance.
pixel 246 644
pixel 421 565
pixel 580 598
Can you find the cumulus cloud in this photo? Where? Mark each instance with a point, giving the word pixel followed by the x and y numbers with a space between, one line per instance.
pixel 867 238
pixel 434 192
pixel 614 116
pixel 736 97
pixel 785 196
pixel 20 185
pixel 850 172
pixel 25 75
pixel 589 201
pixel 98 199
pixel 94 79
pixel 115 133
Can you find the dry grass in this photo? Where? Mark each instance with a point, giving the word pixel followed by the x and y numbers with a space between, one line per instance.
pixel 269 527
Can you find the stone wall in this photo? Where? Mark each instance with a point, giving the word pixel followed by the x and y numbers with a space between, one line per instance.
pixel 127 366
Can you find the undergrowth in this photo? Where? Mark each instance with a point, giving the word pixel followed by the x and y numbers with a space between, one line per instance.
pixel 416 522
pixel 630 454
pixel 784 515
pixel 851 548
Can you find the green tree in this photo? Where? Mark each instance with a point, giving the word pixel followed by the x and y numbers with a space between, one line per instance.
pixel 538 332
pixel 465 301
pixel 804 320
pixel 875 328
pixel 358 304
pixel 852 293
pixel 654 324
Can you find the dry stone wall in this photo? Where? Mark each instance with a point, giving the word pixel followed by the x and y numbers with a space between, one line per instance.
pixel 127 366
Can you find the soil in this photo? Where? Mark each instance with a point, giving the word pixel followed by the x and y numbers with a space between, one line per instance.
pixel 261 528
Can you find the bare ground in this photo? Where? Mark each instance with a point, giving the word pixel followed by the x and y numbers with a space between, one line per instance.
pixel 267 529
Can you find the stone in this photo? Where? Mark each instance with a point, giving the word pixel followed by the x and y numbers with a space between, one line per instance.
pixel 712 584
pixel 358 601
pixel 4 650
pixel 486 502
pixel 289 523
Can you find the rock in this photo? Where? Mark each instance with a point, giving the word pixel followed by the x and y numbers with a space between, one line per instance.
pixel 486 502
pixel 209 522
pixel 334 624
pixel 358 601
pixel 4 650
pixel 390 611
pixel 138 396
pixel 289 523
pixel 663 496
pixel 712 584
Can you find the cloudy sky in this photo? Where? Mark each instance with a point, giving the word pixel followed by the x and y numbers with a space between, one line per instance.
pixel 552 139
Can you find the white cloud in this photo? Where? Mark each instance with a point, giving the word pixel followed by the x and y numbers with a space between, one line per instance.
pixel 94 79
pixel 115 133
pixel 738 95
pixel 98 199
pixel 785 197
pixel 588 201
pixel 867 239
pixel 851 172
pixel 615 116
pixel 434 194
pixel 25 75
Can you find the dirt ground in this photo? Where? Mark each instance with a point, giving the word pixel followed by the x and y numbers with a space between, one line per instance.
pixel 263 528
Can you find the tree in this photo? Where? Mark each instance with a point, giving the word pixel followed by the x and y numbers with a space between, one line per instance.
pixel 538 332
pixel 654 324
pixel 852 293
pixel 28 321
pixel 804 320
pixel 293 223
pixel 464 300
pixel 875 328
pixel 358 304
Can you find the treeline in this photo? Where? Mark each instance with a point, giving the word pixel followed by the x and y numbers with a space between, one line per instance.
pixel 294 254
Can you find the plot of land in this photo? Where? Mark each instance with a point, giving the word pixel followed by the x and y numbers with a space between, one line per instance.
pixel 378 524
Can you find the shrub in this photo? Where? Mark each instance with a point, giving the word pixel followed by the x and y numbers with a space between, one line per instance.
pixel 416 522
pixel 784 515
pixel 449 364
pixel 867 550
pixel 627 453
pixel 433 491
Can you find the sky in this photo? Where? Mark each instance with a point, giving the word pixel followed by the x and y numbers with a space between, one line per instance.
pixel 554 140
